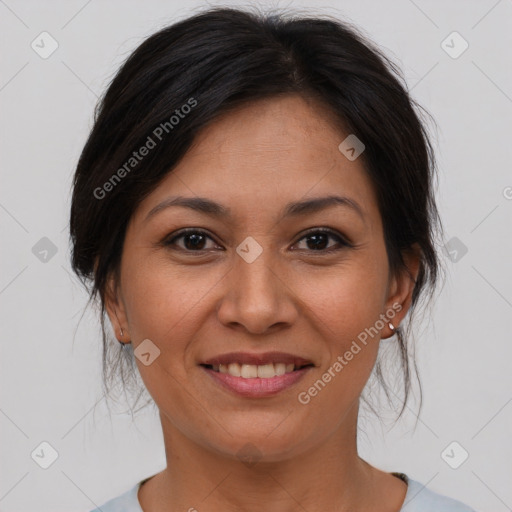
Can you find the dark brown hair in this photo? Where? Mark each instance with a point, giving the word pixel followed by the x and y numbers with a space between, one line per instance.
pixel 223 58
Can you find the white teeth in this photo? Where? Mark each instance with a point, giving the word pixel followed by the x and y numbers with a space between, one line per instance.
pixel 265 371
pixel 282 368
pixel 234 369
pixel 251 371
pixel 248 371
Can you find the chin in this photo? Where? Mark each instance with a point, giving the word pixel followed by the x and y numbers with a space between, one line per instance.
pixel 261 445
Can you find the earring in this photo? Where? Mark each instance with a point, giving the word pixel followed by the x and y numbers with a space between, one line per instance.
pixel 121 342
pixel 391 326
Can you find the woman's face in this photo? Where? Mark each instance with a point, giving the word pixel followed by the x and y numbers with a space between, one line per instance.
pixel 256 282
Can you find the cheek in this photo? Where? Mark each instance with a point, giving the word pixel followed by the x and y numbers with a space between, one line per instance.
pixel 350 297
pixel 163 302
pixel 151 302
pixel 346 304
pixel 345 308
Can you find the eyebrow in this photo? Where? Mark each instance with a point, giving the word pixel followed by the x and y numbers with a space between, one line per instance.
pixel 294 209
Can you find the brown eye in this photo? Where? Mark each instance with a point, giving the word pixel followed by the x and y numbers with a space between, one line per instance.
pixel 318 240
pixel 193 240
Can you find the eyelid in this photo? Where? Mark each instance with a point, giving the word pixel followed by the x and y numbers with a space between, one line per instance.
pixel 186 231
pixel 328 231
pixel 342 239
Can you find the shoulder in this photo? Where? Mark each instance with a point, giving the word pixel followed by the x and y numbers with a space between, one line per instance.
pixel 418 499
pixel 126 502
pixel 421 499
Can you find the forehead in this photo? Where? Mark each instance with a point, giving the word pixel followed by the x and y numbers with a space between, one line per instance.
pixel 265 154
pixel 285 128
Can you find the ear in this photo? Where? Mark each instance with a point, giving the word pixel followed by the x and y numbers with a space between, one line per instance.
pixel 401 287
pixel 115 309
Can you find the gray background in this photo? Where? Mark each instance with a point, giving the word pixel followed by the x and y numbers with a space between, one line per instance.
pixel 50 362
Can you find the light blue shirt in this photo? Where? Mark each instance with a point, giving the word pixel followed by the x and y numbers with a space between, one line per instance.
pixel 417 499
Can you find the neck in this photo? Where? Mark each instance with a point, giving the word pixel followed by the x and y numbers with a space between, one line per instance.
pixel 316 477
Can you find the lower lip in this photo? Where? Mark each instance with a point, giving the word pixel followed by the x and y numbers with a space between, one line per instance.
pixel 257 387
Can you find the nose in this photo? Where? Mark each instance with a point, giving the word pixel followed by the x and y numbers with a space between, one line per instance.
pixel 258 296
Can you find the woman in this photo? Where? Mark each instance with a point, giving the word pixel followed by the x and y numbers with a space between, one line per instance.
pixel 255 209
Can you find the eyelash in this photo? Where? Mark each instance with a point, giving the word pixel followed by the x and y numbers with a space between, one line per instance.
pixel 342 241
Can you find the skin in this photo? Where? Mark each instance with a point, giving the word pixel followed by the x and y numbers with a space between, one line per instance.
pixel 305 301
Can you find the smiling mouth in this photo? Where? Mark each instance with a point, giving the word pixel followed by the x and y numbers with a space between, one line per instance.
pixel 251 371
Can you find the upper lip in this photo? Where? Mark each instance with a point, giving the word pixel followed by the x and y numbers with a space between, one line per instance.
pixel 257 359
